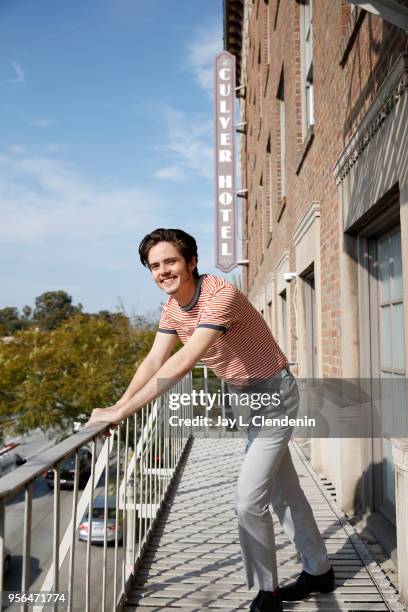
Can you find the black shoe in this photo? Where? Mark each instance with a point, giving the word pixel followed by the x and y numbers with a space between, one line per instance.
pixel 266 602
pixel 306 584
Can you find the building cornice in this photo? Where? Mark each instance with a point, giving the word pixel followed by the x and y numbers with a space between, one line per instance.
pixel 391 91
pixel 306 222
pixel 233 22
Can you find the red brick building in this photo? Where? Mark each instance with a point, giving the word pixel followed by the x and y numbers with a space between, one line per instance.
pixel 324 160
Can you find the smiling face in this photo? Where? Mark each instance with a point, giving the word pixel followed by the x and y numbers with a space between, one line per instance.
pixel 171 272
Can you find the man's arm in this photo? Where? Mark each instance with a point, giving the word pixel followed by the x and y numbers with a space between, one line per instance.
pixel 177 366
pixel 159 353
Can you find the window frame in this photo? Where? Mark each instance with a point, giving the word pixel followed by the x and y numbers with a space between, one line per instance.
pixel 306 65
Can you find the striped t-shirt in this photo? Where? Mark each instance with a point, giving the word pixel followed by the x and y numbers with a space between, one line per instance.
pixel 247 348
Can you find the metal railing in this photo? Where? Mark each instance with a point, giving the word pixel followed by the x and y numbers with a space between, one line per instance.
pixel 143 453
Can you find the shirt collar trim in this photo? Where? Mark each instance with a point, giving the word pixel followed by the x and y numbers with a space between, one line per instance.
pixel 196 295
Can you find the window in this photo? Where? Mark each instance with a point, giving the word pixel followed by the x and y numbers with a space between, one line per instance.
pixel 282 136
pixel 311 326
pixel 381 269
pixel 306 54
pixel 252 256
pixel 391 321
pixel 276 14
pixel 284 322
pixel 382 353
pixel 261 215
pixel 259 88
pixel 391 346
pixel 269 314
pixel 268 186
pixel 266 20
pixel 257 238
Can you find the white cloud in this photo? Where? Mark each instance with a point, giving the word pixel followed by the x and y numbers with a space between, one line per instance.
pixel 201 54
pixel 47 201
pixel 171 173
pixel 18 149
pixel 189 137
pixel 188 145
pixel 19 74
pixel 42 122
pixel 55 147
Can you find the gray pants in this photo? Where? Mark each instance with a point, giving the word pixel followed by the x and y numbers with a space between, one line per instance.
pixel 268 476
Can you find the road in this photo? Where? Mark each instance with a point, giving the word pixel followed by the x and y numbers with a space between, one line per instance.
pixel 30 445
pixel 41 543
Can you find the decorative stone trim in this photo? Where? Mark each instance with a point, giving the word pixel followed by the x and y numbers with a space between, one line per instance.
pixel 269 286
pixel 389 94
pixel 282 260
pixel 400 456
pixel 306 222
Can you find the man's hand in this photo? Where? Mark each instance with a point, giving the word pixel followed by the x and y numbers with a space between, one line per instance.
pixel 109 415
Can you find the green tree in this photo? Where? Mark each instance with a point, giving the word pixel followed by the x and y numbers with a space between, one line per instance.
pixel 47 379
pixel 10 321
pixel 52 308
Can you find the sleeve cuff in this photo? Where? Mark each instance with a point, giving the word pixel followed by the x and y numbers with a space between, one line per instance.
pixel 213 326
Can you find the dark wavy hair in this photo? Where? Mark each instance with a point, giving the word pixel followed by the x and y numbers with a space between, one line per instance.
pixel 185 244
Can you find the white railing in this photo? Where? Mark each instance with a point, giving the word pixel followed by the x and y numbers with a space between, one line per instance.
pixel 146 452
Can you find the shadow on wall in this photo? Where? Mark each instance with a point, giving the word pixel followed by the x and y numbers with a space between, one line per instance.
pixel 386 48
pixel 374 513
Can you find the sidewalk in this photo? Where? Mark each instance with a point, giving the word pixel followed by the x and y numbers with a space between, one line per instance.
pixel 194 563
pixel 31 444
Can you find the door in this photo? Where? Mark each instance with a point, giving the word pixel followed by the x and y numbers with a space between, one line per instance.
pixel 310 327
pixel 387 357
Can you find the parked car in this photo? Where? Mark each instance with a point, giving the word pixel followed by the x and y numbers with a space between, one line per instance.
pixel 9 462
pixel 7 561
pixel 67 471
pixel 98 517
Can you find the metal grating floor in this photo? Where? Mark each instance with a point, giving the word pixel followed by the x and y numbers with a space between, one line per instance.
pixel 193 560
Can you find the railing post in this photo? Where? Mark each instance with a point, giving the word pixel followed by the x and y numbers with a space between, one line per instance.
pixel 105 528
pixel 125 533
pixel 72 548
pixel 134 532
pixel 206 395
pixel 25 580
pixel 115 570
pixel 141 480
pixel 88 547
pixel 156 455
pixel 56 530
pixel 130 518
pixel 2 533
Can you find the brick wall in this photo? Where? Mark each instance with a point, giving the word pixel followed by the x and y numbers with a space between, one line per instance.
pixel 352 53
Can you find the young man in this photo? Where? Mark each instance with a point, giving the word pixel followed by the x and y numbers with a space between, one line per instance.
pixel 219 326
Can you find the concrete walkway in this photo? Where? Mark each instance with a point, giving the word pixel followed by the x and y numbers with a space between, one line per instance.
pixel 193 561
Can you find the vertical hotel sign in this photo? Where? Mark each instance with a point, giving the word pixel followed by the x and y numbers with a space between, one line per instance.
pixel 225 209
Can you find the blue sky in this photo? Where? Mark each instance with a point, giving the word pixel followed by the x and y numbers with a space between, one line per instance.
pixel 106 133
